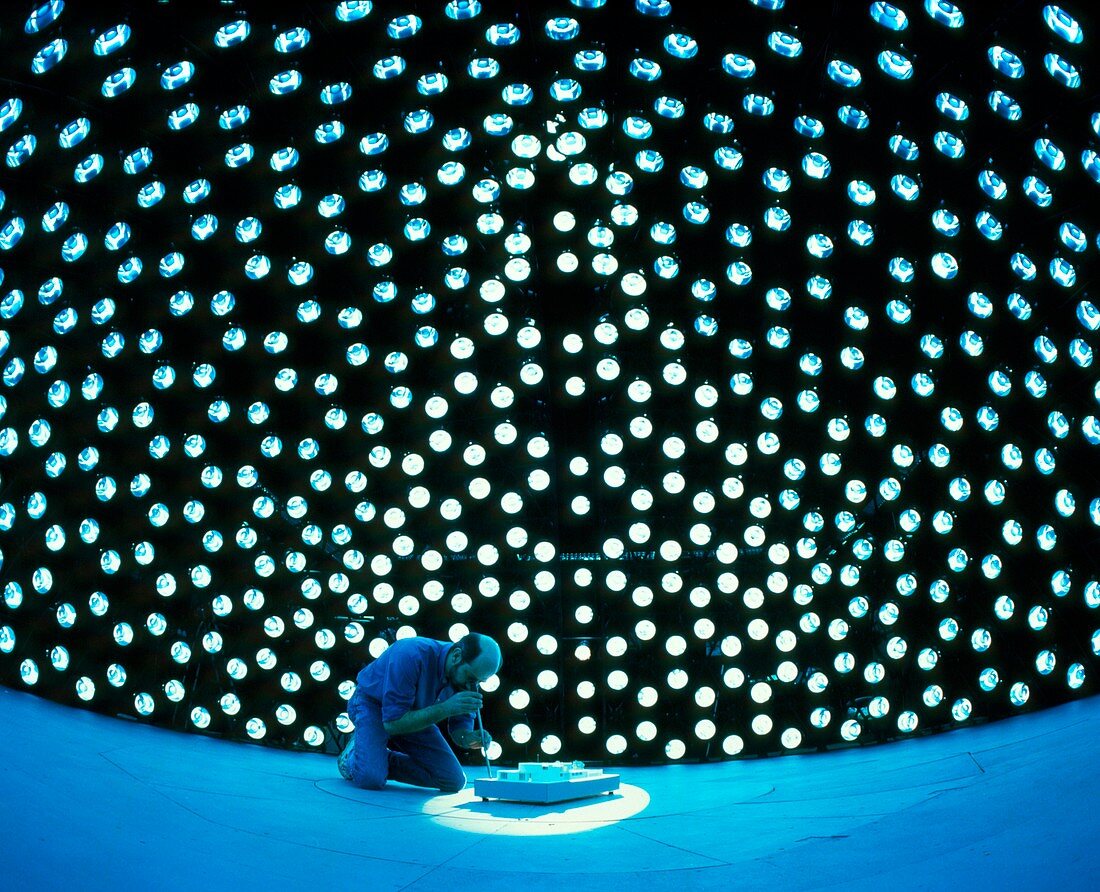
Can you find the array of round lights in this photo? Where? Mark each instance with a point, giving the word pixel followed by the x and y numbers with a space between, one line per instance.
pixel 733 369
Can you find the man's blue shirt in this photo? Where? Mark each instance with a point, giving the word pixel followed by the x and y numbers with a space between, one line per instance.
pixel 410 675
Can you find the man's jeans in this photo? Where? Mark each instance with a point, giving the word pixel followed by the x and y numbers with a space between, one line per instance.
pixel 422 758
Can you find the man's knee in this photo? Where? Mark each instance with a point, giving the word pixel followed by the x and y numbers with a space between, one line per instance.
pixel 452 782
pixel 368 780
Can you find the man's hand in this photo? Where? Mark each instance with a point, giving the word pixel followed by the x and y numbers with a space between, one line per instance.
pixel 474 740
pixel 463 703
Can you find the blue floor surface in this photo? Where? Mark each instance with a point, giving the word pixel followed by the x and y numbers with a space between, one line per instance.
pixel 97 803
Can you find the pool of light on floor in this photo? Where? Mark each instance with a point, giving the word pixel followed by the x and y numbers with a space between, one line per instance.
pixel 465 811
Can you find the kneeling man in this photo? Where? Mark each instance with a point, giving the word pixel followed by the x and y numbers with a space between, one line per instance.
pixel 400 699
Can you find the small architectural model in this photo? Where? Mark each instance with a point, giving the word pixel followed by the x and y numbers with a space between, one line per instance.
pixel 546 782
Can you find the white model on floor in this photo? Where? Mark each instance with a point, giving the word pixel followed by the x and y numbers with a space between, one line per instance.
pixel 546 782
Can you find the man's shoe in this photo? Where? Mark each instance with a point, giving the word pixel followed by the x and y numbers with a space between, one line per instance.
pixel 343 761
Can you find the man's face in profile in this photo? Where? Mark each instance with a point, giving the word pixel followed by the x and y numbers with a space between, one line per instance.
pixel 465 679
pixel 464 676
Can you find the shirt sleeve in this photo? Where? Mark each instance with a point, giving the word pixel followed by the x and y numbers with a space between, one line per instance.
pixel 399 683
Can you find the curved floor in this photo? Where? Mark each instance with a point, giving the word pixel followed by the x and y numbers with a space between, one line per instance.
pixel 94 802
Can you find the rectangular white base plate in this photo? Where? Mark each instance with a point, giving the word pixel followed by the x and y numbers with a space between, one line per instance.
pixel 543 792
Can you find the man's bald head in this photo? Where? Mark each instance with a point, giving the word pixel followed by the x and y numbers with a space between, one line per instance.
pixel 482 654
